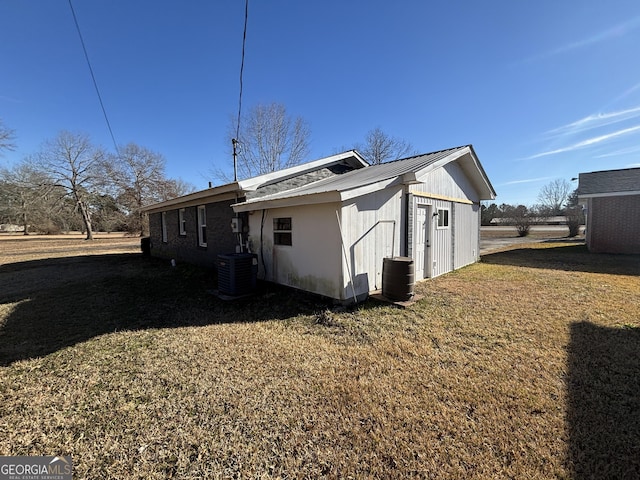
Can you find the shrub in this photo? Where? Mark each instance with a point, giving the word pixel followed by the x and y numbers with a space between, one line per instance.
pixel 575 218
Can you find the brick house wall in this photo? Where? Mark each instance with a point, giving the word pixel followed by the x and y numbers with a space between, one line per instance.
pixel 220 238
pixel 185 248
pixel 613 224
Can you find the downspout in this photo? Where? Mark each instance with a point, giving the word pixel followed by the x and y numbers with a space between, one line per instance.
pixel 264 265
pixel 405 245
pixel 346 258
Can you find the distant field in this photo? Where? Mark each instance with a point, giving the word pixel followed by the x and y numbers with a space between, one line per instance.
pixel 17 247
pixel 522 366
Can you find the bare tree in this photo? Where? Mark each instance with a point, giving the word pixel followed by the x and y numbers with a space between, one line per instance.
pixel 270 140
pixel 7 136
pixel 137 176
pixel 380 147
pixel 72 162
pixel 554 195
pixel 173 188
pixel 30 199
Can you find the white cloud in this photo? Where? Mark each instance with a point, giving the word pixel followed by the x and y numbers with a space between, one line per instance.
pixel 526 180
pixel 596 120
pixel 588 142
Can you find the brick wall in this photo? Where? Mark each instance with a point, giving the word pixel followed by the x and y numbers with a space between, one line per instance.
pixel 185 248
pixel 614 224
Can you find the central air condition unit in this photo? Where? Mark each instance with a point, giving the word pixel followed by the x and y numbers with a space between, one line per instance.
pixel 237 273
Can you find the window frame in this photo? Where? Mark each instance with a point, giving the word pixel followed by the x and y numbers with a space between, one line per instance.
pixel 443 218
pixel 163 227
pixel 281 233
pixel 201 214
pixel 182 222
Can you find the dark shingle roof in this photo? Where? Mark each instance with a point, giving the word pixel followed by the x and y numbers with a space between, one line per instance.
pixel 609 181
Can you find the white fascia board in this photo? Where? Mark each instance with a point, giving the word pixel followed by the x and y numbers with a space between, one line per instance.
pixel 420 175
pixel 311 199
pixel 481 175
pixel 370 188
pixel 608 194
pixel 478 175
pixel 197 197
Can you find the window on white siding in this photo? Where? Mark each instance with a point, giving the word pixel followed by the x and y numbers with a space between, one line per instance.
pixel 443 218
pixel 182 222
pixel 282 231
pixel 163 226
pixel 202 226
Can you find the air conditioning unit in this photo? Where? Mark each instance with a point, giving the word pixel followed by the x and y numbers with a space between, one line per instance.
pixel 237 273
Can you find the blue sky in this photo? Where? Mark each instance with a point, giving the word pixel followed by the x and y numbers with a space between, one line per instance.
pixel 543 89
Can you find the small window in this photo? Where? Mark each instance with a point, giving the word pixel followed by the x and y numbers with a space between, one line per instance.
pixel 202 226
pixel 443 218
pixel 163 226
pixel 182 222
pixel 282 231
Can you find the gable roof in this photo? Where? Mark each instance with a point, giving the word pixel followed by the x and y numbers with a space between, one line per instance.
pixel 241 187
pixel 604 183
pixel 376 177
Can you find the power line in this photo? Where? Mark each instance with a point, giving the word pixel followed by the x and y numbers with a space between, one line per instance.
pixel 244 41
pixel 93 77
pixel 234 141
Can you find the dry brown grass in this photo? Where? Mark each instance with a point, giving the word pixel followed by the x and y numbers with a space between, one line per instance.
pixel 523 366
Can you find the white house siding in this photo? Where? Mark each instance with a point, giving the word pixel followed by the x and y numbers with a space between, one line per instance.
pixel 466 234
pixel 311 262
pixel 372 226
pixel 441 240
pixel 448 181
pixel 458 244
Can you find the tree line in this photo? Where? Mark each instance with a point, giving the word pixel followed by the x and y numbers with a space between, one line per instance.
pixel 72 184
pixel 557 198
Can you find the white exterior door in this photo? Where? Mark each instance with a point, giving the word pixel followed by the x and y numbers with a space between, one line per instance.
pixel 422 236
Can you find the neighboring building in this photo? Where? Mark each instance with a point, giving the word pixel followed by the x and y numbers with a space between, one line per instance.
pixel 9 227
pixel 612 201
pixel 196 228
pixel 330 237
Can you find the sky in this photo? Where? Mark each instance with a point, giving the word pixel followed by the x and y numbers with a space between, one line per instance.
pixel 542 89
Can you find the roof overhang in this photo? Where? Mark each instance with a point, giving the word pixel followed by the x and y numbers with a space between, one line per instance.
pixel 294 201
pixel 467 159
pixel 216 194
pixel 238 189
pixel 584 196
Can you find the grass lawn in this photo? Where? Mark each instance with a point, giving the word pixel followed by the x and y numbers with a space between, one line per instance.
pixel 526 365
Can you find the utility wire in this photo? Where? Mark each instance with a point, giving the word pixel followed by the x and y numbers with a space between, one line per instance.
pixel 244 41
pixel 93 77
